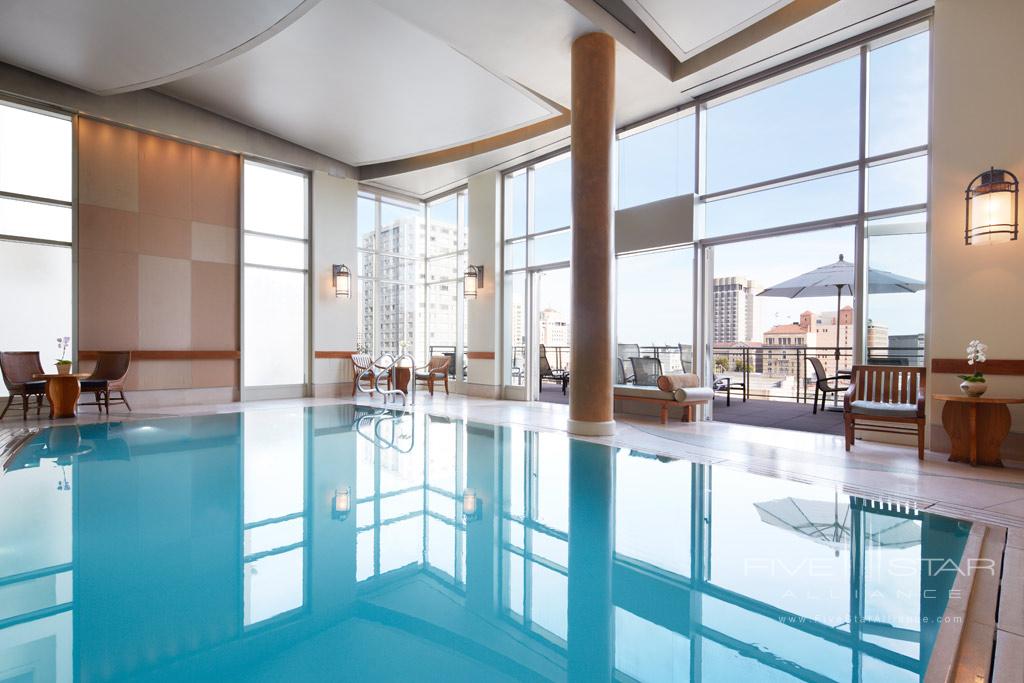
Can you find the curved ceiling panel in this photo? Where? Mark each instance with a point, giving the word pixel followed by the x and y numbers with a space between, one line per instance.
pixel 355 81
pixel 111 46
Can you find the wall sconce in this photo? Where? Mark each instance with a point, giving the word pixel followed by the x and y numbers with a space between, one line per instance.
pixel 342 281
pixel 991 208
pixel 342 504
pixel 474 280
pixel 472 508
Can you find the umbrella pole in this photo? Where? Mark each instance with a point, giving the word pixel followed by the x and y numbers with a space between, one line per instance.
pixel 839 308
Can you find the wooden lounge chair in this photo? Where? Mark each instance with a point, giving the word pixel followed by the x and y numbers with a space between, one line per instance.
pixel 360 363
pixel 889 399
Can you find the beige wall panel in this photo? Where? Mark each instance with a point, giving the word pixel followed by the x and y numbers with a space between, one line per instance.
pixel 164 236
pixel 214 306
pixel 215 192
pixel 214 243
pixel 108 167
pixel 214 373
pixel 162 374
pixel 165 303
pixel 165 177
pixel 106 229
pixel 108 300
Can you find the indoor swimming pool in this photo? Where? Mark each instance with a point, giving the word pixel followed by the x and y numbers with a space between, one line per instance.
pixel 350 543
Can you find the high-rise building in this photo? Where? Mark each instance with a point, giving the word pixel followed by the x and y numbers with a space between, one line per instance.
pixel 736 310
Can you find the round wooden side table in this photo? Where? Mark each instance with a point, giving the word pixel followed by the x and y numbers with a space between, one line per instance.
pixel 62 391
pixel 976 426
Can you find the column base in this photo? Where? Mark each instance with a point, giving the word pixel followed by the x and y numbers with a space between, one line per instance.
pixel 588 428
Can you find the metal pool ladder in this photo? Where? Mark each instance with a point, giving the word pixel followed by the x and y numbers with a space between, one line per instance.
pixel 380 367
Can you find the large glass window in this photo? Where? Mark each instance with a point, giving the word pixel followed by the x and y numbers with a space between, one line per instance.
pixel 276 275
pixel 654 313
pixel 538 245
pixel 657 162
pixel 35 231
pixel 411 260
pixel 803 160
pixel 809 120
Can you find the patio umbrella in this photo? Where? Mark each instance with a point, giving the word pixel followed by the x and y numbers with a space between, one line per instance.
pixel 838 278
pixel 828 523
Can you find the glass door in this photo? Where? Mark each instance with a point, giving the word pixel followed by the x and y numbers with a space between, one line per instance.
pixel 552 335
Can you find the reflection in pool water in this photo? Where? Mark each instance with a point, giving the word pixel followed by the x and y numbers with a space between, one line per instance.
pixel 210 548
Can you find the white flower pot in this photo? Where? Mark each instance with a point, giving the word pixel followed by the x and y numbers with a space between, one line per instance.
pixel 973 389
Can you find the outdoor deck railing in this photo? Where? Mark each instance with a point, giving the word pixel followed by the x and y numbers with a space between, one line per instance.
pixel 777 373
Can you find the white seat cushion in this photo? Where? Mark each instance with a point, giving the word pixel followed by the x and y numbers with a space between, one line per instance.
pixel 880 409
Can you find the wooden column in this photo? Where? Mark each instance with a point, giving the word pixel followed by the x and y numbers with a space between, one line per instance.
pixel 593 264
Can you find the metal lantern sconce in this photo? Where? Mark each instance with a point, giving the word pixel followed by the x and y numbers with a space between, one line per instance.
pixel 472 508
pixel 342 281
pixel 474 281
pixel 991 208
pixel 341 506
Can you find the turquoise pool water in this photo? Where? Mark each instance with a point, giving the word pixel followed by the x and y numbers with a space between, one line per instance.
pixel 333 543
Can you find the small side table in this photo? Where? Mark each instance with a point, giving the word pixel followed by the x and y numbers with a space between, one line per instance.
pixel 62 391
pixel 976 426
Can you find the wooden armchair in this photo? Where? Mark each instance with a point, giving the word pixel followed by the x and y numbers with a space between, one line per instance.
pixel 434 371
pixel 890 399
pixel 17 368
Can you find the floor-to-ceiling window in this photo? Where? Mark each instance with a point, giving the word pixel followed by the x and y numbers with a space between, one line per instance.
pixel 412 256
pixel 538 212
pixel 832 149
pixel 839 182
pixel 275 277
pixel 35 231
pixel 654 309
pixel 447 243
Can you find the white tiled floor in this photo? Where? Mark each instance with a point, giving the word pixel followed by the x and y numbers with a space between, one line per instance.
pixel 871 469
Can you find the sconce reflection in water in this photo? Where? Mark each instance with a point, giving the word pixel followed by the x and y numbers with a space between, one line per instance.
pixel 472 508
pixel 342 504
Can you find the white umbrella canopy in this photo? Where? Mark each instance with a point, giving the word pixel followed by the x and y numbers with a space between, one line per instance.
pixel 828 523
pixel 838 278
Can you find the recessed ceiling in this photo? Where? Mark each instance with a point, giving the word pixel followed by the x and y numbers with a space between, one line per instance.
pixel 686 26
pixel 356 81
pixel 109 46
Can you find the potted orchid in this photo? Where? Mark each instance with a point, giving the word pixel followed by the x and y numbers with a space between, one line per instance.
pixel 63 364
pixel 974 385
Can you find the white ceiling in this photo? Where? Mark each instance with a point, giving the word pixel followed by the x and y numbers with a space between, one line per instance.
pixel 368 81
pixel 107 46
pixel 686 26
pixel 359 83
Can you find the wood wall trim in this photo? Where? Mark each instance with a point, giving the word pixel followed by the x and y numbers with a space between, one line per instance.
pixel 171 355
pixel 480 355
pixel 993 366
pixel 333 354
